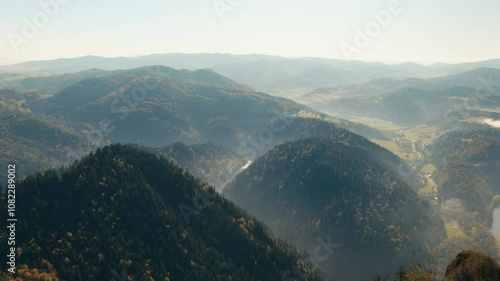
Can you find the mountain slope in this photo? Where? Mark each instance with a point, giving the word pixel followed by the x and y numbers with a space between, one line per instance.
pixel 467 163
pixel 157 106
pixel 175 60
pixel 160 106
pixel 54 83
pixel 299 128
pixel 413 102
pixel 287 77
pixel 329 189
pixel 32 141
pixel 122 208
pixel 47 83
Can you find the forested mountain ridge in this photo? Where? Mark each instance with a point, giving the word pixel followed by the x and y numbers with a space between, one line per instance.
pixel 161 105
pixel 122 212
pixel 54 83
pixel 328 188
pixel 298 129
pixel 126 210
pixel 281 76
pixel 50 83
pixel 413 102
pixel 152 106
pixel 34 141
pixel 468 163
pixel 156 106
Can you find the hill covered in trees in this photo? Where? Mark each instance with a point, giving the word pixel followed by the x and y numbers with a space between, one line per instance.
pixel 158 105
pixel 33 141
pixel 325 188
pixel 467 163
pixel 121 210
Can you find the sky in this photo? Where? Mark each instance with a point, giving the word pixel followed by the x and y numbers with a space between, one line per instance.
pixel 422 31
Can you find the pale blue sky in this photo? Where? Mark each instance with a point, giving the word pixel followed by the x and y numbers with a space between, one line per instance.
pixel 426 31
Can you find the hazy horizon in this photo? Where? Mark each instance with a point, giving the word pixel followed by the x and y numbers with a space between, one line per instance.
pixel 9 61
pixel 401 31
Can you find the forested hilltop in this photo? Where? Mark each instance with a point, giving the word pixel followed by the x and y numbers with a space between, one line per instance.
pixel 124 212
pixel 340 191
pixel 123 209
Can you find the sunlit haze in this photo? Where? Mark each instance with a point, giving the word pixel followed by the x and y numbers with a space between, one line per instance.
pixel 425 31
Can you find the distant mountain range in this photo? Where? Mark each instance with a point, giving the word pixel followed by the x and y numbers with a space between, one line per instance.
pixel 279 76
pixel 413 101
